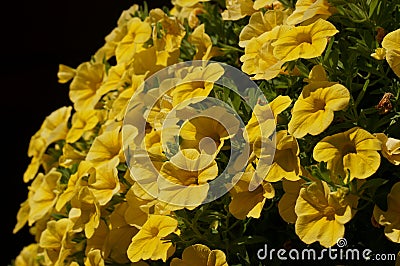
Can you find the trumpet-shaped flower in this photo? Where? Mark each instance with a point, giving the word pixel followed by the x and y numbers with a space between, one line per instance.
pixel 390 218
pixel 354 151
pixel 307 11
pixel 87 80
pixel 150 242
pixel 314 111
pixel 188 13
pixel 303 41
pixel 208 131
pixel 183 179
pixel 260 23
pixel 118 237
pixel 167 36
pixel 287 202
pixel 259 59
pixel 237 9
pixel 390 148
pixel 202 41
pixel 57 242
pixel 286 162
pixel 104 182
pixel 28 256
pixel 138 33
pixel 45 191
pixel 264 117
pixel 391 43
pixel 246 203
pixel 85 212
pixel 188 3
pixel 200 255
pixel 196 84
pixel 105 147
pixel 322 214
pixel 82 121
pixel 54 128
pixel 75 183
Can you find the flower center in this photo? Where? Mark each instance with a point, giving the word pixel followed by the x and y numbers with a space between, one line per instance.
pixel 329 212
pixel 348 148
pixel 319 104
pixel 154 231
pixel 303 37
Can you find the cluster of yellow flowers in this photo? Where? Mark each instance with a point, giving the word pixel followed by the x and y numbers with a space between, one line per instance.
pixel 336 153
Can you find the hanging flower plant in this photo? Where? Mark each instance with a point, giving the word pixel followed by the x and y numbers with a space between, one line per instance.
pixel 209 132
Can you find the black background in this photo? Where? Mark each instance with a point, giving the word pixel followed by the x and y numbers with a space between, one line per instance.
pixel 36 37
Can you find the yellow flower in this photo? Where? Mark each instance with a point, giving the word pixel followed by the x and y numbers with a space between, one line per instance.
pixel 187 3
pixel 258 4
pixel 196 84
pixel 259 59
pixel 307 11
pixel 202 41
pixel 28 256
pixel 71 155
pixel 94 258
pixel 314 110
pixel 317 74
pixel 65 73
pixel 85 212
pixel 184 178
pixel 106 146
pixel 205 133
pixel 56 242
pixel 354 151
pixel 54 128
pixel 150 242
pixel 263 119
pixel 303 41
pixel 118 238
pixel 246 203
pixel 88 79
pixel 260 23
pixel 379 54
pixel 44 194
pixel 75 183
pixel 138 33
pixel 200 255
pixel 287 203
pixel 237 9
pixel 286 163
pixel 167 36
pixel 82 122
pixel 390 148
pixel 322 214
pixel 391 43
pixel 390 218
pixel 188 13
pixel 104 182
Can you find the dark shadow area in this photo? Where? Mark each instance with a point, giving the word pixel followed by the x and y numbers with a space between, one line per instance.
pixel 36 37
